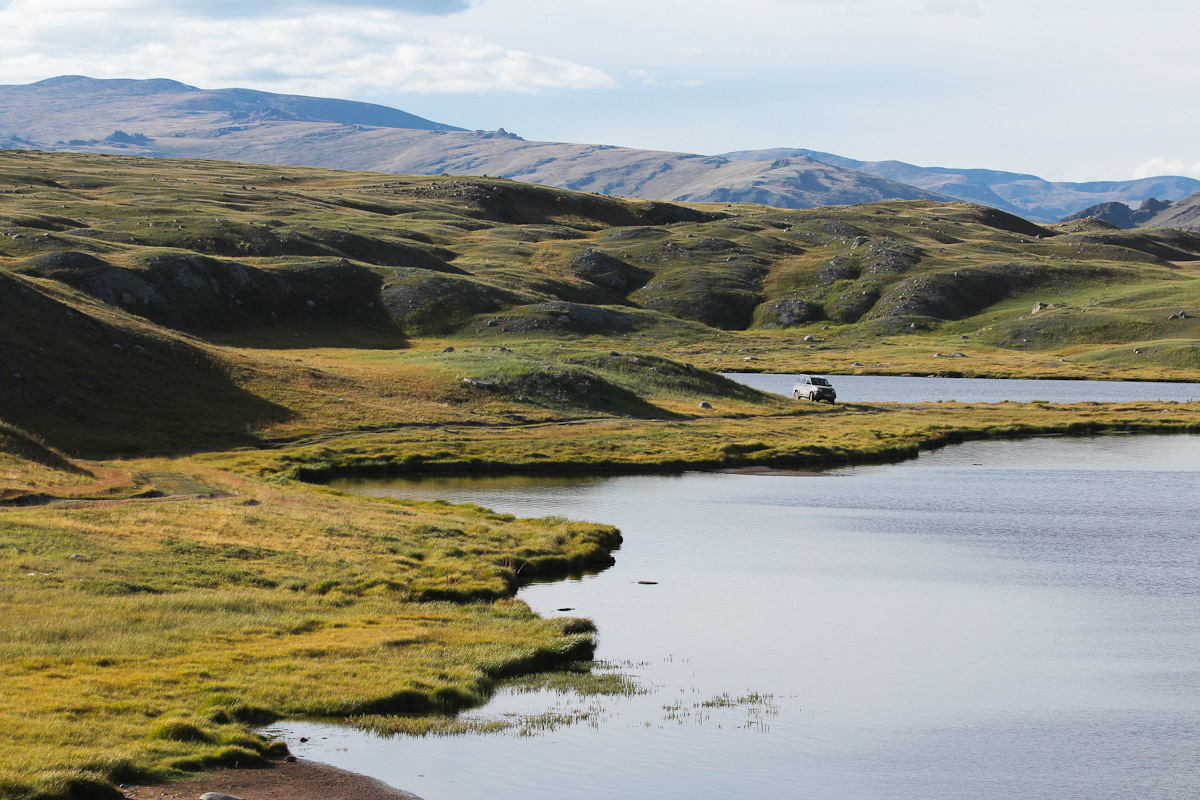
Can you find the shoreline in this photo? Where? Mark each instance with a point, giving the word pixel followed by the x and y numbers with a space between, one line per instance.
pixel 280 780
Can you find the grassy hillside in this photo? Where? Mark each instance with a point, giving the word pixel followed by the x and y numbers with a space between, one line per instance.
pixel 185 341
pixel 284 257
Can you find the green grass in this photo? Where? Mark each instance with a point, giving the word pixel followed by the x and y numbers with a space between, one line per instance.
pixel 230 328
pixel 140 638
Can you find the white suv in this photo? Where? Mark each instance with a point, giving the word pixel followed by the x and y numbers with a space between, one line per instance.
pixel 813 387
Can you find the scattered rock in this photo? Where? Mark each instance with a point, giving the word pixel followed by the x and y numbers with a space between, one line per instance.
pixel 1038 307
pixel 479 383
pixel 448 350
pixel 705 405
pixel 810 338
pixel 218 796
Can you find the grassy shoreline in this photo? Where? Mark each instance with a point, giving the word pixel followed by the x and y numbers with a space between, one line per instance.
pixel 143 638
pixel 254 326
pixel 242 594
pixel 841 435
pixel 185 598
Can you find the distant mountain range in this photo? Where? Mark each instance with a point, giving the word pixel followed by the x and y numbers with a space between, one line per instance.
pixel 1025 195
pixel 166 118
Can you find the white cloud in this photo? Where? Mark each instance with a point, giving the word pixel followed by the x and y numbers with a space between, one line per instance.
pixel 1161 166
pixel 242 8
pixel 368 52
pixel 263 8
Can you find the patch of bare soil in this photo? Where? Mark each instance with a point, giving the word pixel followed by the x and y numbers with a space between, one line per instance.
pixel 299 780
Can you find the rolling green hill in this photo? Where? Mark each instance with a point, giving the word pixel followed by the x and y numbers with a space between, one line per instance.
pixel 210 335
pixel 127 278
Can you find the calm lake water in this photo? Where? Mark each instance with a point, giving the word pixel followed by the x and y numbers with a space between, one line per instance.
pixel 892 389
pixel 991 620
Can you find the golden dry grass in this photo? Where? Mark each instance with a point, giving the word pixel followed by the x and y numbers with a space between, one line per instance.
pixel 119 616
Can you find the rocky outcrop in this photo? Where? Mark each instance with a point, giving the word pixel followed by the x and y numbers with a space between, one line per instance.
pixel 1121 215
pixel 609 272
pixel 194 292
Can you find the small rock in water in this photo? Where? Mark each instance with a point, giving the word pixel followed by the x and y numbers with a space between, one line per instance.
pixel 648 583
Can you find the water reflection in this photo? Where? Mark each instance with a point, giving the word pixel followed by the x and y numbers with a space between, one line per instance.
pixel 993 620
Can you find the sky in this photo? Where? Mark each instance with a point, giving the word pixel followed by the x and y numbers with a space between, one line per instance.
pixel 1064 89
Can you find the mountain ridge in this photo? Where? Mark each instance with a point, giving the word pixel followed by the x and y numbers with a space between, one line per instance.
pixel 1017 193
pixel 166 118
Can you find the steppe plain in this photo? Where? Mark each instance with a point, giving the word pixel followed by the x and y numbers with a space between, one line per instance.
pixel 191 347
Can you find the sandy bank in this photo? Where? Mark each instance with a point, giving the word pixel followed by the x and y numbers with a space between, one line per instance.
pixel 300 780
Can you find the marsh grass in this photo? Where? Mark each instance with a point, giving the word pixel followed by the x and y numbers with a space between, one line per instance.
pixel 795 435
pixel 577 686
pixel 583 679
pixel 140 638
pixel 759 709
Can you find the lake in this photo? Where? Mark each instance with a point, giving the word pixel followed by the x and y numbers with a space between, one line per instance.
pixel 899 389
pixel 990 620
